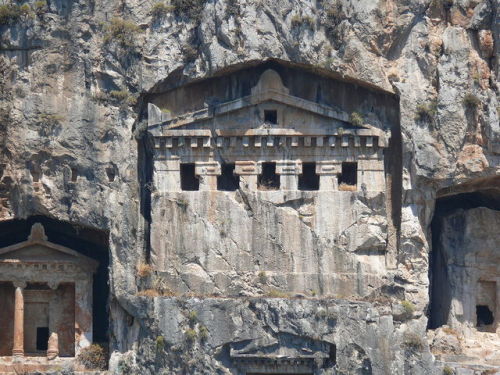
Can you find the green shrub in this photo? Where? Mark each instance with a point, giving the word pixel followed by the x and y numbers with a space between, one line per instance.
pixel 299 20
pixel 161 9
pixel 190 53
pixel 471 101
pixel 413 341
pixel 160 343
pixel 427 111
pixel 93 357
pixel 409 308
pixel 356 119
pixel 262 277
pixel 12 13
pixel 122 31
pixel 40 7
pixel 447 370
pixel 122 96
pixel 203 331
pixel 190 335
pixel 192 317
pixel 49 119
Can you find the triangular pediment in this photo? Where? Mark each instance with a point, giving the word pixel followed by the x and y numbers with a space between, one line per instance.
pixel 37 249
pixel 269 90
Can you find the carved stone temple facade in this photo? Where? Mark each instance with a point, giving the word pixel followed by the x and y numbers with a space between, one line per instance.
pixel 262 187
pixel 46 299
pixel 268 183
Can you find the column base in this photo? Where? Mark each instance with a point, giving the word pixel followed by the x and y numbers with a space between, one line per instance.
pixel 18 353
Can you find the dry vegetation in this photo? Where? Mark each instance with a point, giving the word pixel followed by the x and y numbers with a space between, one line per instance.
pixel 93 357
pixel 346 187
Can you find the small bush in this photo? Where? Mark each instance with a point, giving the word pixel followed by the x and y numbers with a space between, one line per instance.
pixel 356 119
pixel 471 101
pixel 93 357
pixel 160 343
pixel 192 317
pixel 161 9
pixel 409 309
pixel 49 119
pixel 122 96
pixel 144 270
pixel 12 13
pixel 203 331
pixel 299 20
pixel 427 111
pixel 40 7
pixel 190 53
pixel 190 335
pixel 447 370
pixel 262 277
pixel 413 341
pixel 122 31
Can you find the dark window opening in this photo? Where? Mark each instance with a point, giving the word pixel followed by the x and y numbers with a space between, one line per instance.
pixel 37 286
pixel 35 175
pixel 268 180
pixel 189 181
pixel 228 181
pixel 484 316
pixel 349 175
pixel 309 180
pixel 271 116
pixel 111 173
pixel 74 174
pixel 42 338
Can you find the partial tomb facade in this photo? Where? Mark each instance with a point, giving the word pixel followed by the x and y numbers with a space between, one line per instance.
pixel 46 299
pixel 260 186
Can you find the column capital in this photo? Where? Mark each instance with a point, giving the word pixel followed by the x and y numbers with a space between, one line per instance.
pixel 20 284
pixel 328 167
pixel 242 168
pixel 289 167
pixel 207 168
pixel 54 284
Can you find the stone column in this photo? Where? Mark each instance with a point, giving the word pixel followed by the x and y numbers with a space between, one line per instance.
pixel 248 172
pixel 53 343
pixel 207 172
pixel 167 175
pixel 289 174
pixel 83 313
pixel 328 171
pixel 371 174
pixel 18 348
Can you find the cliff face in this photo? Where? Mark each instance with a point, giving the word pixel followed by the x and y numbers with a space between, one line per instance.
pixel 76 78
